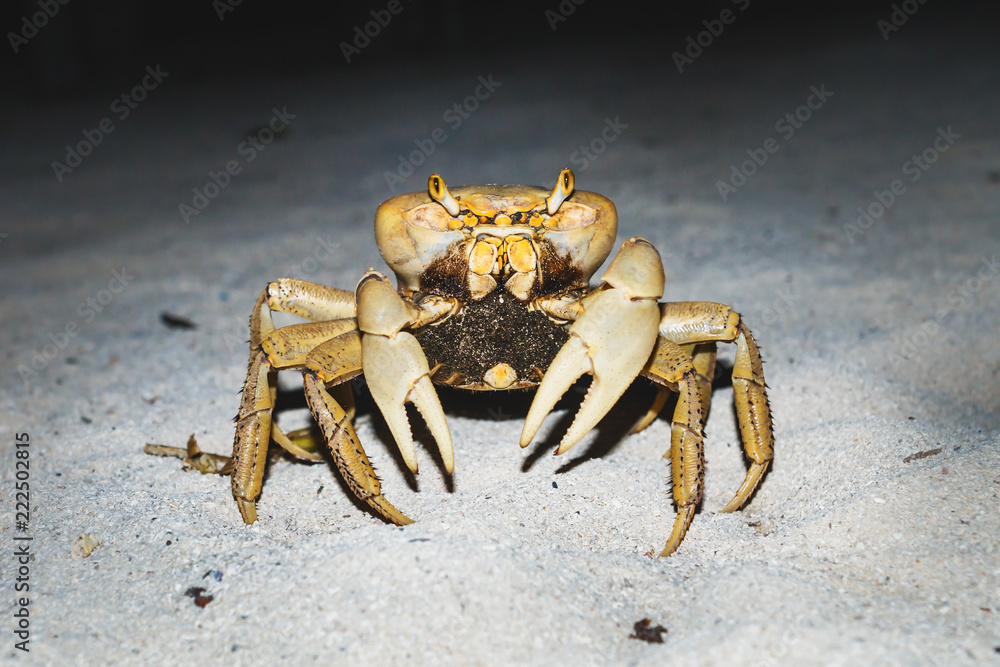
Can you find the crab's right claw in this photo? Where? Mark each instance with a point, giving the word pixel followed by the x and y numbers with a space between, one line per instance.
pixel 612 339
pixel 396 369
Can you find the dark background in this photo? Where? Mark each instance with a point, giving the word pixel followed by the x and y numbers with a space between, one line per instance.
pixel 97 42
pixel 606 57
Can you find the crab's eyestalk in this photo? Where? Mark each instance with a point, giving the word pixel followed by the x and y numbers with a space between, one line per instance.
pixel 439 193
pixel 565 185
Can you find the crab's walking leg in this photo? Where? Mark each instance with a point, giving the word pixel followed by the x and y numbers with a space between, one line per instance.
pixel 316 303
pixel 253 431
pixel 288 347
pixel 280 348
pixel 704 364
pixel 611 339
pixel 333 362
pixel 305 443
pixel 754 414
pixel 396 369
pixel 695 321
pixel 254 427
pixel 672 366
pixel 310 301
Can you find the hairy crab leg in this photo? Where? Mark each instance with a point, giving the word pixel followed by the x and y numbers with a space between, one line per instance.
pixel 254 426
pixel 334 362
pixel 703 355
pixel 289 347
pixel 754 414
pixel 696 321
pixel 316 303
pixel 672 366
pixel 310 439
pixel 253 430
pixel 311 301
pixel 278 349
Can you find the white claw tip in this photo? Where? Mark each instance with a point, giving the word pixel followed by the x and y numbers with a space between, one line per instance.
pixel 564 447
pixel 409 454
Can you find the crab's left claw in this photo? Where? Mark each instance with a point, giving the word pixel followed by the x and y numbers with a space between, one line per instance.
pixel 396 369
pixel 612 340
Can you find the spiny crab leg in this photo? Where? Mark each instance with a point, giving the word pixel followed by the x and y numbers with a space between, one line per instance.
pixel 612 339
pixel 396 369
pixel 753 412
pixel 704 322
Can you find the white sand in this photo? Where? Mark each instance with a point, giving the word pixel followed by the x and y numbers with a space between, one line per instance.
pixel 846 555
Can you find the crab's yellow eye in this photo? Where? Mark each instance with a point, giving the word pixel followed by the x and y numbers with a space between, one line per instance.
pixel 565 185
pixel 439 193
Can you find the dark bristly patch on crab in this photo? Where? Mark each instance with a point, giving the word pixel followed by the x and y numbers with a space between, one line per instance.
pixel 448 275
pixel 496 329
pixel 557 272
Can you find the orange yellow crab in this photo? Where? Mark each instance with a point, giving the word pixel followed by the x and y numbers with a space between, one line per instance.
pixel 493 293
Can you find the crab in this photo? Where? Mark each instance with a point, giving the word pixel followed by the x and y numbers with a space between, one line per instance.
pixel 493 293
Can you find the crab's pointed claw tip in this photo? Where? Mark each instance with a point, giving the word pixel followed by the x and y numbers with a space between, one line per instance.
pixel 611 340
pixel 396 371
pixel 565 445
pixel 570 363
pixel 399 426
pixel 681 524
pixel 426 399
pixel 604 392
